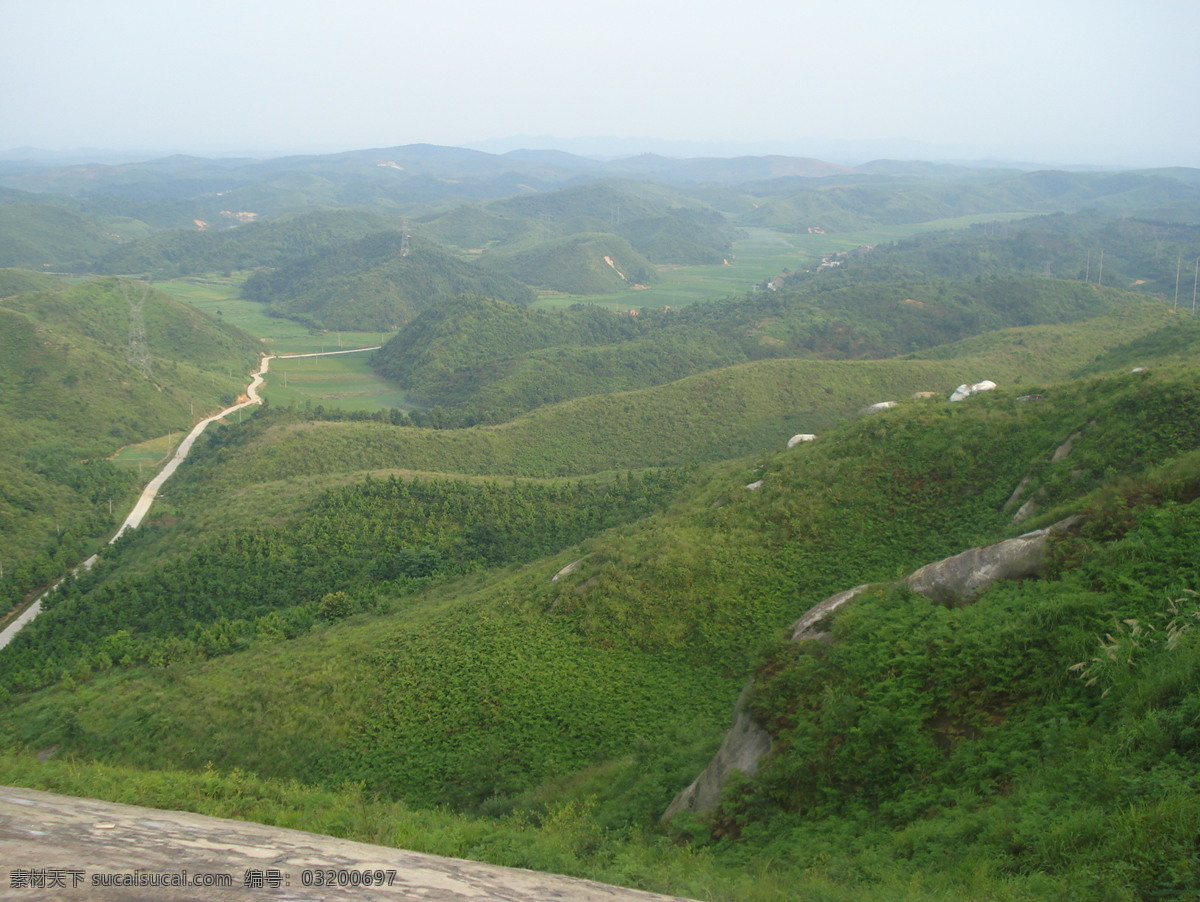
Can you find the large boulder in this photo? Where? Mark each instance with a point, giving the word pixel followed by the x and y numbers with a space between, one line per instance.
pixel 744 744
pixel 965 391
pixel 958 579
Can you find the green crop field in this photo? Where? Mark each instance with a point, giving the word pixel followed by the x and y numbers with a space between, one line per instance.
pixel 221 296
pixel 150 453
pixel 344 380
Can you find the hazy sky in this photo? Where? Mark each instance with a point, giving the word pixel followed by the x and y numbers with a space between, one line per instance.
pixel 1056 81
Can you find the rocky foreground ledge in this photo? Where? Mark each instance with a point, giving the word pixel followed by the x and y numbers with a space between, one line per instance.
pixel 56 847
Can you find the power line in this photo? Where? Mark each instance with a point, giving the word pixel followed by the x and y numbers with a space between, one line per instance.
pixel 139 348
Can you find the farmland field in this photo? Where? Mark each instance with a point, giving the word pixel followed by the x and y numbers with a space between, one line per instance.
pixel 759 256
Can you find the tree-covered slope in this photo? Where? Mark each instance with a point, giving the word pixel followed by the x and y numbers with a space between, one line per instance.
pixel 950 729
pixel 848 206
pixel 1135 254
pixel 488 361
pixel 42 235
pixel 666 225
pixel 70 395
pixel 373 284
pixel 585 263
pixel 219 248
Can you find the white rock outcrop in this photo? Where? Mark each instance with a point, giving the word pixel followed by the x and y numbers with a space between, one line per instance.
pixel 965 390
pixel 875 408
pixel 800 438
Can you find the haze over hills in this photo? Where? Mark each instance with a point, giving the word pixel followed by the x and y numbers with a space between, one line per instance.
pixel 511 616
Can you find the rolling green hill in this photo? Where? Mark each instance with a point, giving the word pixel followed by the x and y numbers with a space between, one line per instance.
pixel 273 243
pixel 587 263
pixel 42 235
pixel 372 284
pixel 519 640
pixel 488 361
pixel 590 700
pixel 1138 255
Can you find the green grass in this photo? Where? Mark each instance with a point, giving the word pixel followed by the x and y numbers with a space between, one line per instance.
pixel 221 297
pixel 150 453
pixel 344 381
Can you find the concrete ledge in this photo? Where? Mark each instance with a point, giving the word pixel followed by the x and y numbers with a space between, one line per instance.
pixel 47 835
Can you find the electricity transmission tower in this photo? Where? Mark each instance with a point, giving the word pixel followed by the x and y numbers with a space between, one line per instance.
pixel 139 349
pixel 404 245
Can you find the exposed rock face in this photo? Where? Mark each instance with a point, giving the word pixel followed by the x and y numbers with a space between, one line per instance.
pixel 875 408
pixel 754 486
pixel 954 580
pixel 567 570
pixel 965 391
pixel 1065 448
pixel 745 743
pixel 958 579
pixel 805 627
pixel 802 437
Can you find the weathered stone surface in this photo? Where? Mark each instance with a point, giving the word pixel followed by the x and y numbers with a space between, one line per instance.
pixel 754 486
pixel 41 830
pixel 801 437
pixel 567 570
pixel 1065 448
pixel 965 391
pixel 744 744
pixel 959 578
pixel 805 627
pixel 875 408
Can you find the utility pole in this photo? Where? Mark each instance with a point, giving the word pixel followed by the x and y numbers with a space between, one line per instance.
pixel 1100 276
pixel 1195 283
pixel 139 350
pixel 1178 262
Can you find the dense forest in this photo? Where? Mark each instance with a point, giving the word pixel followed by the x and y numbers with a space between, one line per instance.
pixel 512 616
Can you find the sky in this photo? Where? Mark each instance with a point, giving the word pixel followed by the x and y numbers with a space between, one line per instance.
pixel 1107 82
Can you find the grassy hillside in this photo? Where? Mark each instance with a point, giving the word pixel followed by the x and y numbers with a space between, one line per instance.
pixel 70 397
pixel 589 701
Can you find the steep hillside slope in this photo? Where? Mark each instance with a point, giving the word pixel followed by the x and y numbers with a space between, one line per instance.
pixel 72 392
pixel 507 691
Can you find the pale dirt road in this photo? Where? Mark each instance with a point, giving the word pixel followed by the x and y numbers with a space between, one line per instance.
pixel 150 492
pixel 44 836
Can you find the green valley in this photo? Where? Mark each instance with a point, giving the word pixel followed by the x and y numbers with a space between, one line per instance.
pixel 497 588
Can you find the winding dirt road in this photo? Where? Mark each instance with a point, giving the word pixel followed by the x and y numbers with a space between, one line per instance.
pixel 150 492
